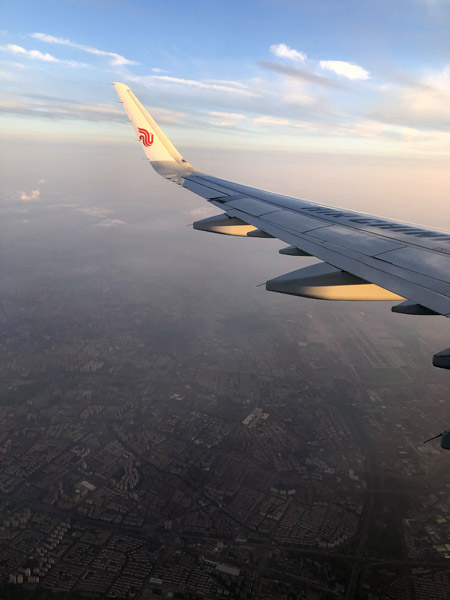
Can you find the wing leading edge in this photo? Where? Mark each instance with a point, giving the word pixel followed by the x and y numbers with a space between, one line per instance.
pixel 365 257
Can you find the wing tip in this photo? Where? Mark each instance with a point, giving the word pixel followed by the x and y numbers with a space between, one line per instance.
pixel 118 84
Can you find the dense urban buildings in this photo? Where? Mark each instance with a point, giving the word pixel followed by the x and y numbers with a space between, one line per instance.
pixel 146 454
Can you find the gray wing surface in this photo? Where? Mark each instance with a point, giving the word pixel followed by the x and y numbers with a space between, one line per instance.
pixel 365 257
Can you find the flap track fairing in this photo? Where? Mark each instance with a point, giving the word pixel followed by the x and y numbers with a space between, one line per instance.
pixel 224 225
pixel 324 282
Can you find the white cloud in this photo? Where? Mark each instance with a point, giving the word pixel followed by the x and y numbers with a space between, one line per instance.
pixel 379 130
pixel 424 104
pixel 101 215
pixel 32 197
pixel 229 82
pixel 432 99
pixel 284 51
pixel 15 49
pixel 346 69
pixel 266 120
pixel 110 223
pixel 49 110
pixel 115 59
pixel 94 211
pixel 227 115
pixel 200 84
pixel 37 55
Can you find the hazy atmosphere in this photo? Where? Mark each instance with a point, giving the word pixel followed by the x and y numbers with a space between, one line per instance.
pixel 167 427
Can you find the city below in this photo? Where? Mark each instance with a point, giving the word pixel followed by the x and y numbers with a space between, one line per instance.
pixel 145 455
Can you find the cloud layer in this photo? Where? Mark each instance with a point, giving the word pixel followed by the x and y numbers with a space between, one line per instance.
pixel 36 55
pixel 346 69
pixel 221 87
pixel 32 196
pixel 114 58
pixel 321 98
pixel 284 51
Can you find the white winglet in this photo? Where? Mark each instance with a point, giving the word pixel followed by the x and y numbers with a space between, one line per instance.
pixel 164 157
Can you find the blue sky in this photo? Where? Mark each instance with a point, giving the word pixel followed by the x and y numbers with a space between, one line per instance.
pixel 366 77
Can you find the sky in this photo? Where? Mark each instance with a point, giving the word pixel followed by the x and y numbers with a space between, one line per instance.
pixel 370 77
pixel 345 103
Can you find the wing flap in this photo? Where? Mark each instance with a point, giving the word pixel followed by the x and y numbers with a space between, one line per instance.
pixel 420 261
pixel 252 206
pixel 424 290
pixel 295 221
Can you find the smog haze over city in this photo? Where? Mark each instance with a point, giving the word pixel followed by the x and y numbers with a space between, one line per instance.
pixel 167 427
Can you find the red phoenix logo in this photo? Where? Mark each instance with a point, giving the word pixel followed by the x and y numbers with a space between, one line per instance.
pixel 145 137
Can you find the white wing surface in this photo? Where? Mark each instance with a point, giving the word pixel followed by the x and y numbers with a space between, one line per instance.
pixel 364 257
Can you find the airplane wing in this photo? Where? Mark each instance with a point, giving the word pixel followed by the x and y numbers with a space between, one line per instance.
pixel 364 257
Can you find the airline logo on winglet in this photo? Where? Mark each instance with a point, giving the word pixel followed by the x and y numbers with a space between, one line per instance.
pixel 145 137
